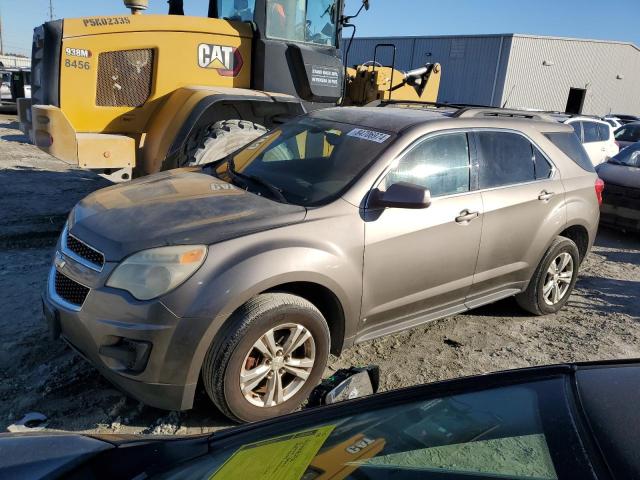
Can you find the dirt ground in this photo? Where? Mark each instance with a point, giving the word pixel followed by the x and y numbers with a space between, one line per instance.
pixel 602 320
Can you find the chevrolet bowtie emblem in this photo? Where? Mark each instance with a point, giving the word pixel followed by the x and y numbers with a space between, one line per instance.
pixel 59 261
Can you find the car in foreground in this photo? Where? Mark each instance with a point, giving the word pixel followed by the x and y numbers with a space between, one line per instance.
pixel 597 136
pixel 627 134
pixel 336 228
pixel 621 198
pixel 573 421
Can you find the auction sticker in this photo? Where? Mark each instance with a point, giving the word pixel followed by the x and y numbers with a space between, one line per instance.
pixel 280 458
pixel 369 135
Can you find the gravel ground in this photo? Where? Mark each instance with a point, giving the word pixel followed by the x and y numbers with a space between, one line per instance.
pixel 602 320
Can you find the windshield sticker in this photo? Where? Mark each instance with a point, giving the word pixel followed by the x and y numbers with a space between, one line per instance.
pixel 369 135
pixel 284 458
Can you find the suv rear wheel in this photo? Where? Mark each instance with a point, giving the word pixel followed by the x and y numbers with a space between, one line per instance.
pixel 553 280
pixel 270 358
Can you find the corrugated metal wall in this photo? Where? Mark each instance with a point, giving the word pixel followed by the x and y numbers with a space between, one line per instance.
pixel 473 67
pixel 591 65
pixel 494 69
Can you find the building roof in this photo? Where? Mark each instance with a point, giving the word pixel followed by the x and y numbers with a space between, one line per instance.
pixel 494 35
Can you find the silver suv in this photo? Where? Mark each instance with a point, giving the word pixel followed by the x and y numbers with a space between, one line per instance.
pixel 336 228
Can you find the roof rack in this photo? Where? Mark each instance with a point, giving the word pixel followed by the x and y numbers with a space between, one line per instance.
pixel 495 112
pixel 467 110
pixel 417 103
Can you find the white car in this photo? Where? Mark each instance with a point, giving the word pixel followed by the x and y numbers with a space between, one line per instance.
pixel 5 86
pixel 596 137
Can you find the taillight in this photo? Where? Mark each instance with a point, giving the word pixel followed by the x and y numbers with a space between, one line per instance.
pixel 599 190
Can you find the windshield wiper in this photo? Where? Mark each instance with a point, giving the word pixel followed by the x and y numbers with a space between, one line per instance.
pixel 275 191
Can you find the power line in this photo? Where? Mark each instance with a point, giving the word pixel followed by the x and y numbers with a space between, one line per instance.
pixel 1 44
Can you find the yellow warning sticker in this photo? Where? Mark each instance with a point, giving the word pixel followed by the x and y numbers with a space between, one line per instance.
pixel 280 458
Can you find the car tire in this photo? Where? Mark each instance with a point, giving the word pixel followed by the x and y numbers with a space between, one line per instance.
pixel 547 292
pixel 242 351
pixel 219 140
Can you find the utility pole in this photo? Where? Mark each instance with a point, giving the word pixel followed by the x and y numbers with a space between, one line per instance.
pixel 1 44
pixel 50 9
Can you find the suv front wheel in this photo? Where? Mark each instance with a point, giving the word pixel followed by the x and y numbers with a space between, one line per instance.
pixel 272 355
pixel 553 281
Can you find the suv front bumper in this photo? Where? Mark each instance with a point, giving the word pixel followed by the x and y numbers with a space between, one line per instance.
pixel 106 326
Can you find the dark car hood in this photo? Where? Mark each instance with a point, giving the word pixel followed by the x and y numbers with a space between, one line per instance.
pixel 182 206
pixel 619 175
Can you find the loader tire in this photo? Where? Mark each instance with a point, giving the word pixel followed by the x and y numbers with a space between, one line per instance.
pixel 220 139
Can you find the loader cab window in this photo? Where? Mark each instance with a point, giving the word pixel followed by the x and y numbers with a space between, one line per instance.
pixel 236 10
pixel 302 21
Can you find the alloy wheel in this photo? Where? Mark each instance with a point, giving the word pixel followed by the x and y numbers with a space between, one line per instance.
pixel 558 279
pixel 278 365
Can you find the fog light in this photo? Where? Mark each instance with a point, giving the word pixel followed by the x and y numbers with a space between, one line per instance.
pixel 132 354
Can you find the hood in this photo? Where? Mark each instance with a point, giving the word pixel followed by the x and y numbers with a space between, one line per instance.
pixel 178 207
pixel 620 175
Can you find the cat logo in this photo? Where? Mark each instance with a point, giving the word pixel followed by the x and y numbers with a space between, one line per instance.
pixel 226 60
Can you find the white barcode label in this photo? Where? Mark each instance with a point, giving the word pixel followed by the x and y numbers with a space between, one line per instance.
pixel 369 135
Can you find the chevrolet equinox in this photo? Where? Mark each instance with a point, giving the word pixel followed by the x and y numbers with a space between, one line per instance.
pixel 336 228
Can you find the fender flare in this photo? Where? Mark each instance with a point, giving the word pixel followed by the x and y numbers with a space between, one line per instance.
pixel 220 322
pixel 182 111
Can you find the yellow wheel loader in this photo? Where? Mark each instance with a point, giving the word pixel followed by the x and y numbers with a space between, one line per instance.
pixel 129 95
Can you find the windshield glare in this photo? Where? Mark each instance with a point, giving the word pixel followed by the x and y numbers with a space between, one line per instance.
pixel 311 162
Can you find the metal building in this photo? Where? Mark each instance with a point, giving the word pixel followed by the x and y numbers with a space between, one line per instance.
pixel 521 71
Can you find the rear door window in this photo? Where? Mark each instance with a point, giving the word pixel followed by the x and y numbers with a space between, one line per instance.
pixel 604 132
pixel 505 159
pixel 590 132
pixel 440 164
pixel 572 148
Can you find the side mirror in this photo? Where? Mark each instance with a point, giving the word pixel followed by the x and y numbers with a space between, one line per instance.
pixel 401 195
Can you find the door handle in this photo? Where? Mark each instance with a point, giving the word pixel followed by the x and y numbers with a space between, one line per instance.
pixel 466 216
pixel 544 195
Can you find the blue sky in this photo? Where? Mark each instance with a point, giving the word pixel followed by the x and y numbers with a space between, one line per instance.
pixel 609 20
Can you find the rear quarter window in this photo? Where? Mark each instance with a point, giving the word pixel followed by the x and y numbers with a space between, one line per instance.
pixel 572 148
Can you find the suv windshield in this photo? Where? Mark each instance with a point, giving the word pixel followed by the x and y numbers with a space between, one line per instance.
pixel 310 162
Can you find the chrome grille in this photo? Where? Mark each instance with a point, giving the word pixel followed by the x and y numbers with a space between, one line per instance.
pixel 84 251
pixel 69 290
pixel 124 78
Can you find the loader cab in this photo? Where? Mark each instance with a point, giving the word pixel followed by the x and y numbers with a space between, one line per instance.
pixel 295 48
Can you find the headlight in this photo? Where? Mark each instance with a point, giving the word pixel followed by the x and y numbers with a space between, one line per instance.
pixel 151 273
